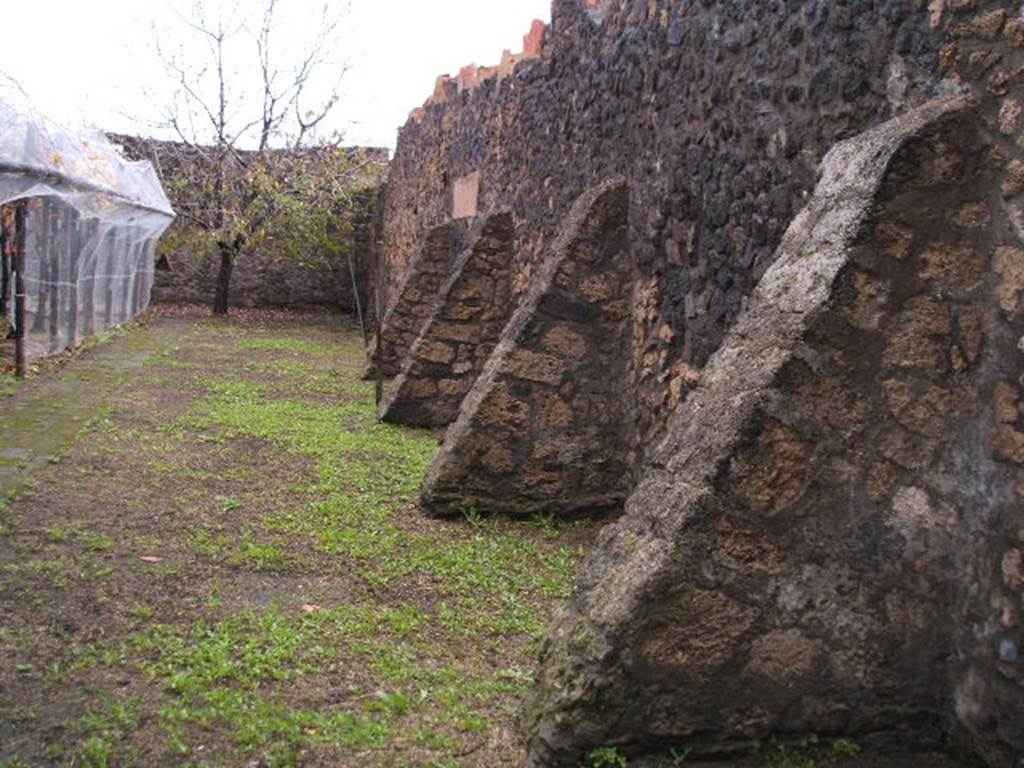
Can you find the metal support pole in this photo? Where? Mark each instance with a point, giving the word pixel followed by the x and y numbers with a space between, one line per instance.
pixel 20 211
pixel 355 298
pixel 5 273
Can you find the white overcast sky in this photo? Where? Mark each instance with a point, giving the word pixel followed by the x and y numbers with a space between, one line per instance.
pixel 93 61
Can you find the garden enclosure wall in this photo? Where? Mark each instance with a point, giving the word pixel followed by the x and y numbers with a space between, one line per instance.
pixel 80 225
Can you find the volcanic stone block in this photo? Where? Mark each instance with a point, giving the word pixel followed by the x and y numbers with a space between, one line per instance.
pixel 410 310
pixel 814 545
pixel 544 427
pixel 470 312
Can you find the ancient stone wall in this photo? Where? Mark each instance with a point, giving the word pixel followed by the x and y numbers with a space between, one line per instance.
pixel 824 527
pixel 267 278
pixel 716 114
pixel 543 429
pixel 816 545
pixel 415 297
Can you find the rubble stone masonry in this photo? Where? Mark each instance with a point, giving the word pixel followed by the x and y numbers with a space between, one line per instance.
pixel 542 428
pixel 715 113
pixel 267 278
pixel 764 268
pixel 473 306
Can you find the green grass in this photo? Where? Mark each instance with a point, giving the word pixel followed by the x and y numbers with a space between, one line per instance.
pixel 606 757
pixel 221 674
pixel 9 385
pixel 292 345
pixel 316 380
pixel 103 729
pixel 96 542
pixel 491 576
pixel 366 472
pixel 803 752
pixel 58 571
pixel 165 359
pixel 235 672
pixel 273 488
pixel 263 556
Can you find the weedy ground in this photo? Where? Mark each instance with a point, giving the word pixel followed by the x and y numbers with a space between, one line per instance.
pixel 211 555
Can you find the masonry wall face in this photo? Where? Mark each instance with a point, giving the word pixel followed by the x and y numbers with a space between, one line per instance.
pixel 716 113
pixel 454 344
pixel 816 415
pixel 265 278
pixel 260 280
pixel 413 292
pixel 813 548
pixel 542 428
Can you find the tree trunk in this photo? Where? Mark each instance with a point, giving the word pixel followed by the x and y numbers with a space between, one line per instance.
pixel 227 265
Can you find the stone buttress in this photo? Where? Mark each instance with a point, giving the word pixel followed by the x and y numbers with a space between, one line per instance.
pixel 544 428
pixel 470 310
pixel 805 387
pixel 402 323
pixel 828 538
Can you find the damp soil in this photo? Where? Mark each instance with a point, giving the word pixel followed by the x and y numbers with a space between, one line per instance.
pixel 211 555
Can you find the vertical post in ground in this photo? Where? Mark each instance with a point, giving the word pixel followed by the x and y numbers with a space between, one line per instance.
pixel 5 273
pixel 94 255
pixel 59 213
pixel 20 211
pixel 74 255
pixel 378 376
pixel 110 245
pixel 44 237
pixel 355 298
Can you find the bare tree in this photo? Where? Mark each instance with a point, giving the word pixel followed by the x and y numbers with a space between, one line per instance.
pixel 238 150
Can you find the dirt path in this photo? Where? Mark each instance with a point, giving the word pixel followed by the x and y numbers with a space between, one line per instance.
pixel 210 555
pixel 40 421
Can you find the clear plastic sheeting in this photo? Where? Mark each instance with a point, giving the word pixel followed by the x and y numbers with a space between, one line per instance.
pixel 92 220
pixel 83 274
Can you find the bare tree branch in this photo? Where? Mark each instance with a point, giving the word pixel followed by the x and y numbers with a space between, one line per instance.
pixel 244 163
